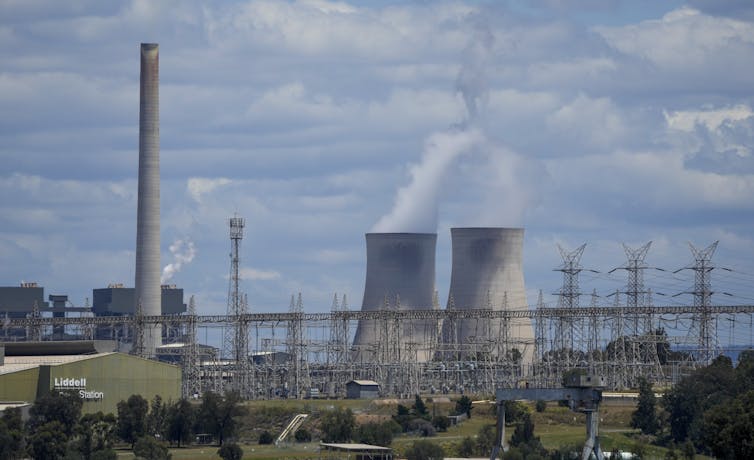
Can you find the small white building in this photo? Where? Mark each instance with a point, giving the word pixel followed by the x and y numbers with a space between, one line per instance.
pixel 362 389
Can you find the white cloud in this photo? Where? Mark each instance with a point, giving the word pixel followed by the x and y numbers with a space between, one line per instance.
pixel 712 119
pixel 683 38
pixel 305 116
pixel 197 187
pixel 256 274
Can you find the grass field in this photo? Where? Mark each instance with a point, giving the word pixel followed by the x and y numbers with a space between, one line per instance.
pixel 556 427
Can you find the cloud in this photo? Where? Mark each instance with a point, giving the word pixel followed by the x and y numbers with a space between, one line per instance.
pixel 197 187
pixel 248 273
pixel 307 117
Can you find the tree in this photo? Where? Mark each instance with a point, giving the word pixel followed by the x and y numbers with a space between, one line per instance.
pixel 230 451
pixel 745 371
pixel 106 454
pixel 380 434
pixel 422 427
pixel 11 434
pixel 420 409
pixel 485 439
pixel 302 435
pixel 95 432
pixel 541 405
pixel 149 448
pixel 466 447
pixel 425 450
pixel 11 442
pixel 688 450
pixel 645 416
pixel 157 418
pixel 402 416
pixel 57 406
pixel 48 442
pixel 266 437
pixel 441 422
pixel 337 425
pixel 464 406
pixel 132 419
pixel 694 394
pixel 728 428
pixel 524 432
pixel 217 415
pixel 180 421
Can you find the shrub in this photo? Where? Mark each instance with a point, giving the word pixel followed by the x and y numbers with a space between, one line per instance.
pixel 149 448
pixel 540 406
pixel 302 435
pixel 422 427
pixel 466 447
pixel 230 451
pixel 425 450
pixel 265 438
pixel 441 422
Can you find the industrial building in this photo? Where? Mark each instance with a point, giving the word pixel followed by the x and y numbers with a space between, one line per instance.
pixel 362 389
pixel 29 370
pixel 116 300
pixel 27 300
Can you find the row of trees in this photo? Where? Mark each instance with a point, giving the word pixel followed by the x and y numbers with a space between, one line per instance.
pixel 56 428
pixel 711 410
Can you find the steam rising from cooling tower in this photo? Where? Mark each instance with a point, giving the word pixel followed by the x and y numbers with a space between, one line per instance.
pixel 488 273
pixel 400 275
pixel 415 208
pixel 148 293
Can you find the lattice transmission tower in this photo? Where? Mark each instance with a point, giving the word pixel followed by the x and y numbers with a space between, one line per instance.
pixel 568 298
pixel 641 341
pixel 703 324
pixel 298 376
pixel 236 335
pixel 190 359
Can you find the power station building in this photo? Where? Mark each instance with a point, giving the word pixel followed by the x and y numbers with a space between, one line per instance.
pixel 29 370
pixel 27 300
pixel 116 300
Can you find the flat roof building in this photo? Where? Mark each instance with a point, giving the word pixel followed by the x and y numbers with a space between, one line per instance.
pixel 101 380
pixel 119 300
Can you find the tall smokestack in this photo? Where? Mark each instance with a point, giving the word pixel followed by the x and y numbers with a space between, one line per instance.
pixel 147 284
pixel 400 274
pixel 487 272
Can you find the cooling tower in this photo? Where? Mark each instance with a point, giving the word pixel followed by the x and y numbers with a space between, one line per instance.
pixel 147 284
pixel 487 272
pixel 400 275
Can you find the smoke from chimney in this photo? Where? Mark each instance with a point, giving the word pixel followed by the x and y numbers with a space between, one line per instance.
pixel 183 251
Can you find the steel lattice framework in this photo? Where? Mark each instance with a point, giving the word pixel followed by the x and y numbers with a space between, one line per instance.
pixel 327 366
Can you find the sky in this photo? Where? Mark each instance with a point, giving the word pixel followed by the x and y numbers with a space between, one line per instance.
pixel 588 121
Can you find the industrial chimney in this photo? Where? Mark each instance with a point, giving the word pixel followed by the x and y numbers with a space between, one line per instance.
pixel 148 293
pixel 487 273
pixel 400 275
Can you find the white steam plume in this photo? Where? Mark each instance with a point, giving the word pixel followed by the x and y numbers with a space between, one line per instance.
pixel 183 251
pixel 415 208
pixel 497 184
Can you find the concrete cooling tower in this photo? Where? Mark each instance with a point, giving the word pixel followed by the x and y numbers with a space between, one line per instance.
pixel 147 285
pixel 488 273
pixel 400 274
